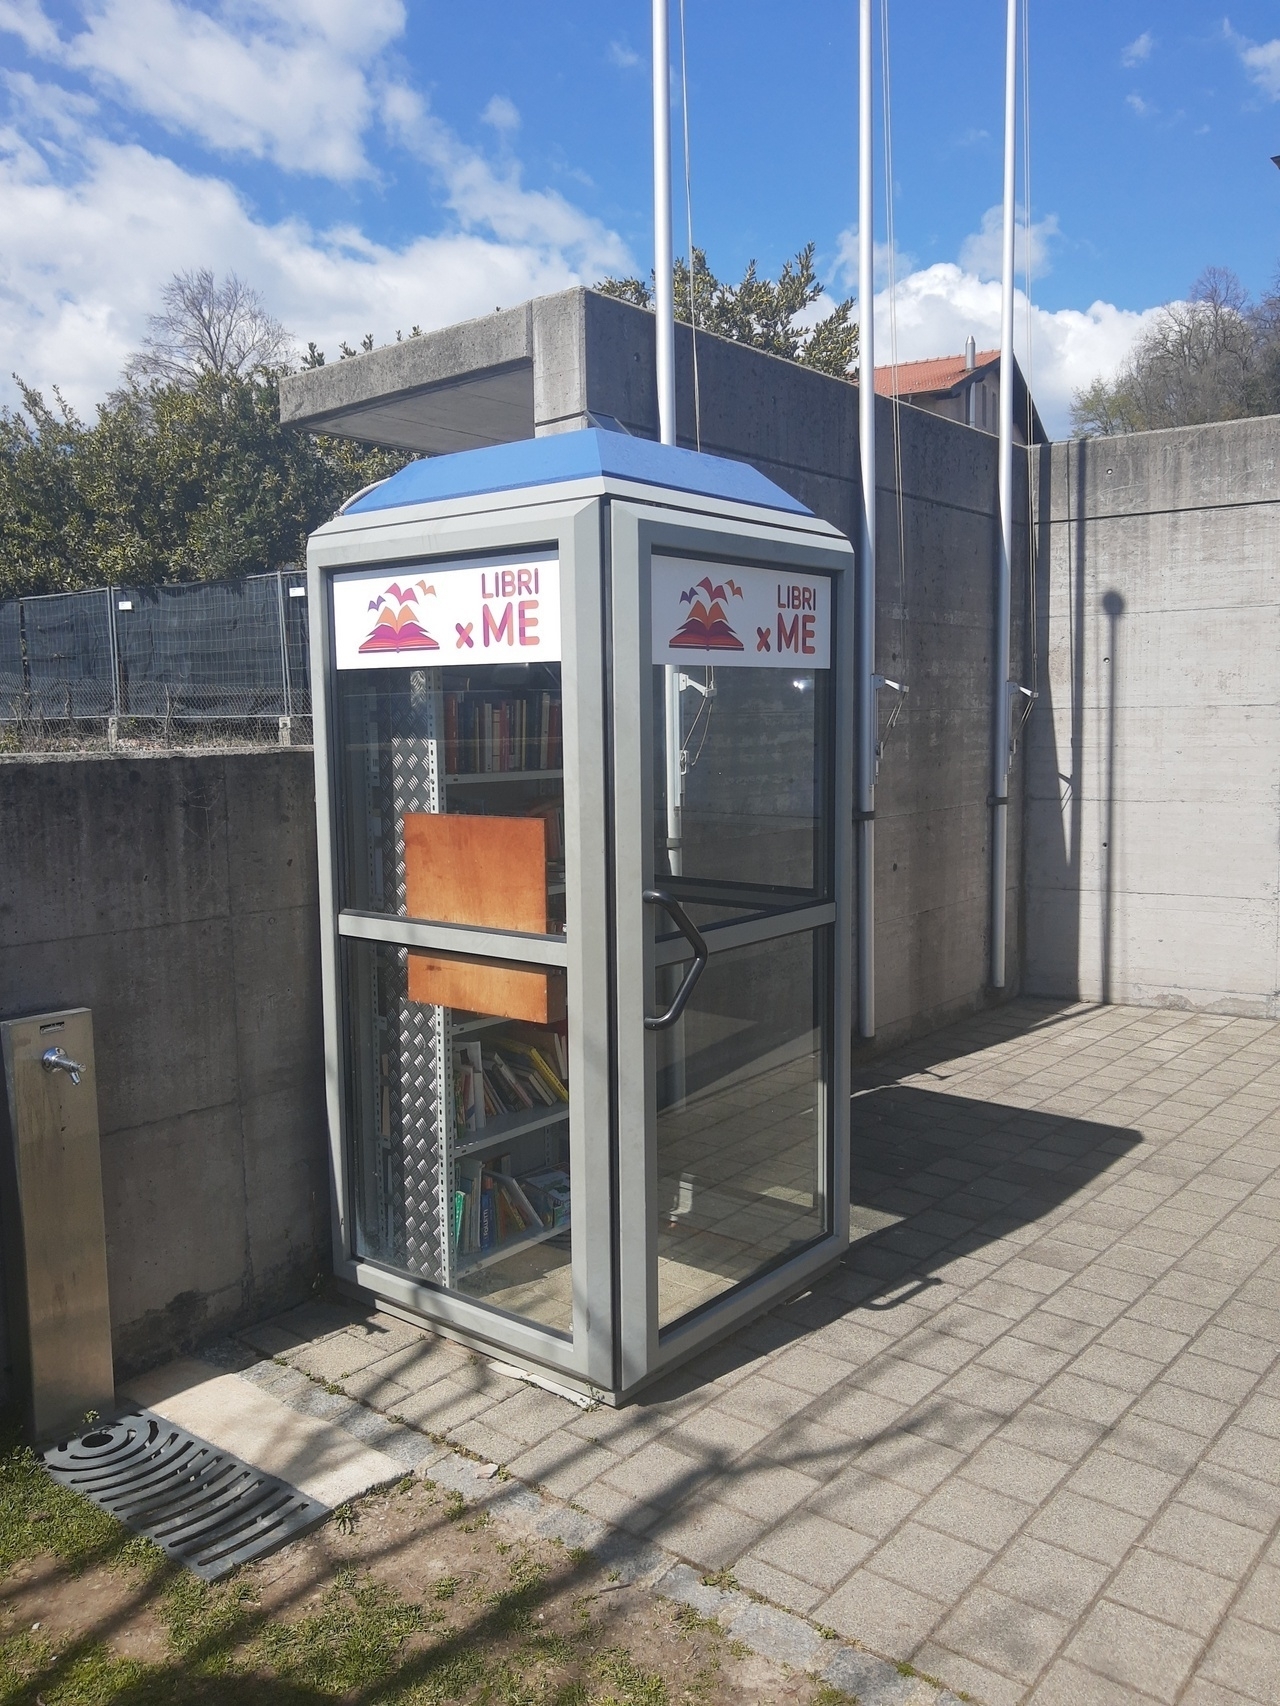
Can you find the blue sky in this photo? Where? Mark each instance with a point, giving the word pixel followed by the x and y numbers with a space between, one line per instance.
pixel 375 165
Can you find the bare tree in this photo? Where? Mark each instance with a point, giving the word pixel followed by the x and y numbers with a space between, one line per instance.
pixel 1199 361
pixel 207 327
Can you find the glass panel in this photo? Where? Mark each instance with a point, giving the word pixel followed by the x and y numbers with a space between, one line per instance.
pixel 459 1119
pixel 742 1119
pixel 754 785
pixel 480 748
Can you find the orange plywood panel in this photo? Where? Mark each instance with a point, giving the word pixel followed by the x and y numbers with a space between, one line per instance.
pixel 477 870
pixel 508 992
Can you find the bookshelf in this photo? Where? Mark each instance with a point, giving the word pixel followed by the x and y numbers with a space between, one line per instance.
pixel 507 1129
pixel 455 783
pixel 489 1258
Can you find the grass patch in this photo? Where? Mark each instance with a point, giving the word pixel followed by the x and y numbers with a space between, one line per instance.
pixel 37 1515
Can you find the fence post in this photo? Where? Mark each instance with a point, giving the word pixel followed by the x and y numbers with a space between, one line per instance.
pixel 113 644
pixel 286 722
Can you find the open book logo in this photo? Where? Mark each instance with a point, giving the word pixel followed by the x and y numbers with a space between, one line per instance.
pixel 707 627
pixel 397 627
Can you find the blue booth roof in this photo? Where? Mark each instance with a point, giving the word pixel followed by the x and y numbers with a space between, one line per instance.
pixel 589 454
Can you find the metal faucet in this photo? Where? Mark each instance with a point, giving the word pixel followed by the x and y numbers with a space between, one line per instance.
pixel 55 1060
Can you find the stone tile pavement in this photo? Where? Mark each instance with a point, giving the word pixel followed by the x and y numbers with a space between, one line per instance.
pixel 1026 1437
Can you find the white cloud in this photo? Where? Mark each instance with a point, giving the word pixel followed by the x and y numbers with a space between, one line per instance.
pixel 295 82
pixel 982 251
pixel 844 271
pixel 1138 50
pixel 493 197
pixel 1260 59
pixel 1144 109
pixel 26 20
pixel 624 57
pixel 91 239
pixel 502 114
pixel 940 306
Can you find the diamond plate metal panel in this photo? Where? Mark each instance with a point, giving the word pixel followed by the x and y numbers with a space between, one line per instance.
pixel 404 777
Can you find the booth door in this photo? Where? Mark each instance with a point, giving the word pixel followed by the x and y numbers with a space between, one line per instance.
pixel 729 924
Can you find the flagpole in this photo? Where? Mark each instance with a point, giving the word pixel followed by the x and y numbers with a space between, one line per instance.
pixel 865 660
pixel 1001 683
pixel 665 332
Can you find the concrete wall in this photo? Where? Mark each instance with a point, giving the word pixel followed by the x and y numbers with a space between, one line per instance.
pixel 176 897
pixel 1153 800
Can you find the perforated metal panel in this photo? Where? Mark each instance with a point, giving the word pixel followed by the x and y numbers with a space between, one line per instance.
pixel 204 1507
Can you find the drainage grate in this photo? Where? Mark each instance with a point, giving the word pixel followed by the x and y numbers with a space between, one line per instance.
pixel 204 1507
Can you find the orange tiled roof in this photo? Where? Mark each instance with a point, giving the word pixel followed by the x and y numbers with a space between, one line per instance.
pixel 939 374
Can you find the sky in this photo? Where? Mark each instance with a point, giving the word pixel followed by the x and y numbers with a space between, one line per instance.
pixel 371 165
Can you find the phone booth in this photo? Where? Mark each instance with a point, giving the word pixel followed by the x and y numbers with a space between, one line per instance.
pixel 584 748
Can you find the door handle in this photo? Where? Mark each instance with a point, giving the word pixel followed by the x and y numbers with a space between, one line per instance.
pixel 693 936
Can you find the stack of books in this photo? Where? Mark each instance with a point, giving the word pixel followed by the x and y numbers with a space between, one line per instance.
pixel 519 731
pixel 492 1208
pixel 517 1072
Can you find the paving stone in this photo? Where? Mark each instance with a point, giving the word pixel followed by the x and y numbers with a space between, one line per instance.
pixel 882 1614
pixel 658 1475
pixel 1135 1650
pixel 1012 1469
pixel 1260 1601
pixel 869 1680
pixel 1006 1635
pixel 778 1634
pixel 1248 1452
pixel 708 1533
pixel 929 1561
pixel 1136 1487
pixel 869 1503
pixel 1227 1493
pixel 1201 1538
pixel 1083 1525
pixel 976 1680
pixel 776 1585
pixel 765 1401
pixel 1052 1433
pixel 974 1513
pixel 1176 1592
pixel 1049 1577
pixel 1245 1657
pixel 563 1464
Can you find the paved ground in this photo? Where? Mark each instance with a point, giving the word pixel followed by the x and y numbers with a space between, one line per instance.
pixel 1027 1436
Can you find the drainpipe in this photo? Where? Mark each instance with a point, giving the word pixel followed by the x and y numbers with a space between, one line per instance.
pixel 1001 683
pixel 865 656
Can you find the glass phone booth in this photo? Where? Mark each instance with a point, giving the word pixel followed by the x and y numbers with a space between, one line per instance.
pixel 584 748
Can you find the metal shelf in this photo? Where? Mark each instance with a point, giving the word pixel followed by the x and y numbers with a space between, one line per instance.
pixel 499 1253
pixel 506 1128
pixel 472 776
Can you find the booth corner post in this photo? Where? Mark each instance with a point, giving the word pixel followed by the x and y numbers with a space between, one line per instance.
pixel 588 1094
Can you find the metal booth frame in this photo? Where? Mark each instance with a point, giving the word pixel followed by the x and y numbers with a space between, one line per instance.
pixel 604 531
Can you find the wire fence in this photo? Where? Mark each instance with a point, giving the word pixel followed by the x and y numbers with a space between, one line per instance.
pixel 226 652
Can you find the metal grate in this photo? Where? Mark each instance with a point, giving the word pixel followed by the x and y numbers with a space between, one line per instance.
pixel 204 1507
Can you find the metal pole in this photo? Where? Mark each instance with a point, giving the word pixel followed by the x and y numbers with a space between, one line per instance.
pixel 663 281
pixel 1001 684
pixel 865 662
pixel 664 303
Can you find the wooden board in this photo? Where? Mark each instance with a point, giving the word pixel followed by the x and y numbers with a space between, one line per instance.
pixel 489 871
pixel 477 870
pixel 506 992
